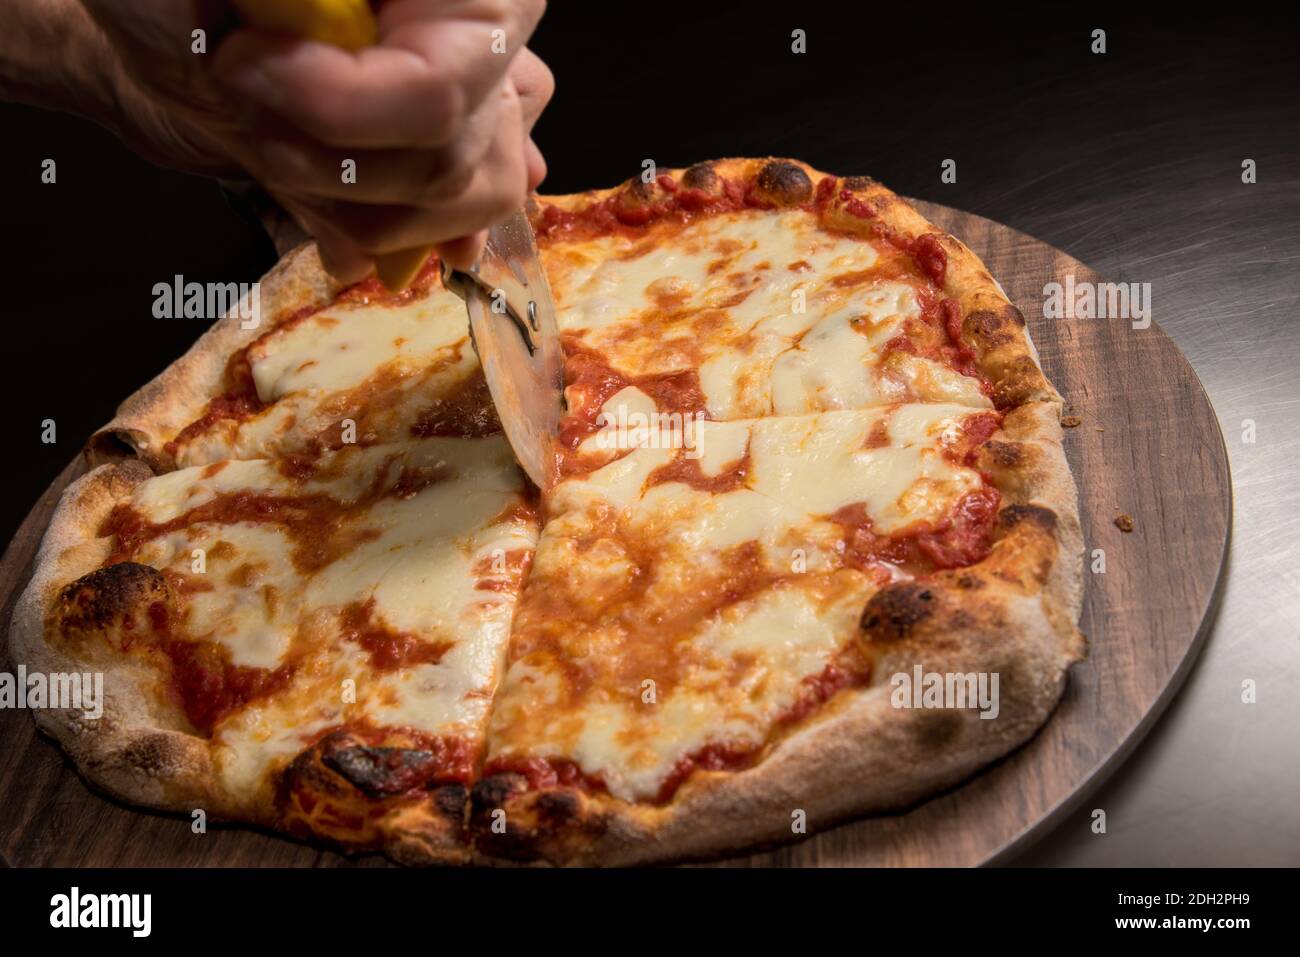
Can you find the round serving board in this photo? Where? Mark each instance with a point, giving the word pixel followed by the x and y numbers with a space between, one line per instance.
pixel 1148 446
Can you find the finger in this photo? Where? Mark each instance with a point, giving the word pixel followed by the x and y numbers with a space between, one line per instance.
pixel 342 261
pixel 464 252
pixel 340 257
pixel 375 98
pixel 377 229
pixel 291 162
pixel 497 188
pixel 534 83
pixel 475 39
pixel 535 164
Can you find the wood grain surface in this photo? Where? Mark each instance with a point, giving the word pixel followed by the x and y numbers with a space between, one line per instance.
pixel 1148 445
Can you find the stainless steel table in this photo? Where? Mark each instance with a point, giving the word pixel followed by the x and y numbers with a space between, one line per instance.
pixel 1217 780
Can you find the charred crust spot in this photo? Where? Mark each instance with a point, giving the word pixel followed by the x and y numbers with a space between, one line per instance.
pixel 152 755
pixel 968 581
pixel 558 807
pixel 1018 383
pixel 859 183
pixel 994 328
pixel 936 729
pixel 378 772
pixel 512 845
pixel 305 773
pixel 552 823
pixel 893 613
pixel 640 193
pixel 1036 515
pixel 784 183
pixel 1006 455
pixel 495 791
pixel 518 840
pixel 702 176
pixel 450 800
pixel 107 596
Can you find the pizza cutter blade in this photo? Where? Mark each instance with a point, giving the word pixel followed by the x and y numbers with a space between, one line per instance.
pixel 513 328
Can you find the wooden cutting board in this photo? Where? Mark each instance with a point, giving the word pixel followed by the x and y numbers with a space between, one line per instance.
pixel 1149 445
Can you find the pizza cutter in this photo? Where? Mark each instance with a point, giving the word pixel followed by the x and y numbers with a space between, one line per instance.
pixel 513 328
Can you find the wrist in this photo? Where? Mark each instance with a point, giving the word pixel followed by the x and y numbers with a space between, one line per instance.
pixel 53 55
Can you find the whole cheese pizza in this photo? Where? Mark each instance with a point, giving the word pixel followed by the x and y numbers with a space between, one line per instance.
pixel 808 485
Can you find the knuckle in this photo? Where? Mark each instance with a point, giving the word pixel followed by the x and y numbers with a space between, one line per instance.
pixel 443 109
pixel 441 183
pixel 546 86
pixel 456 181
pixel 365 232
pixel 321 116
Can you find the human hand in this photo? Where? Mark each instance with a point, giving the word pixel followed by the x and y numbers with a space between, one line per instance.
pixel 435 119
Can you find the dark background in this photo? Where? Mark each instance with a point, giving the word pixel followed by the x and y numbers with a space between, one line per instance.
pixel 1130 161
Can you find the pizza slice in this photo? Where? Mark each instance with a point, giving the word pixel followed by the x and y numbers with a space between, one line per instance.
pixel 707 637
pixel 313 646
pixel 747 288
pixel 322 368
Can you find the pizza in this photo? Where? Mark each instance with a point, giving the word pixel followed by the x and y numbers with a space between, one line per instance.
pixel 808 456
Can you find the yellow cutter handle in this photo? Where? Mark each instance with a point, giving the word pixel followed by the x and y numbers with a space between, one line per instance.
pixel 349 24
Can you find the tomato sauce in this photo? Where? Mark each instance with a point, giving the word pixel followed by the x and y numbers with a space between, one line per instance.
pixel 545 773
pixel 465 412
pixel 208 687
pixel 590 382
pixel 688 472
pixel 314 521
pixel 389 649
pixel 815 691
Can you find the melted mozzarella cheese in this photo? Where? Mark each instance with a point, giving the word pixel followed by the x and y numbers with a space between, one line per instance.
pixel 815 464
pixel 254 601
pixel 775 316
pixel 379 365
pixel 785 632
pixel 435 564
pixel 725 599
pixel 725 297
pixel 735 662
pixel 819 464
pixel 832 366
pixel 930 381
pixel 708 263
pixel 340 348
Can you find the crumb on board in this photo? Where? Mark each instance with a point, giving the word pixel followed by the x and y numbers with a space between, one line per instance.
pixel 1124 522
pixel 1071 422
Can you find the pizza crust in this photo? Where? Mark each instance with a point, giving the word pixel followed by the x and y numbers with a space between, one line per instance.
pixel 137 751
pixel 993 327
pixel 142 751
pixel 156 413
